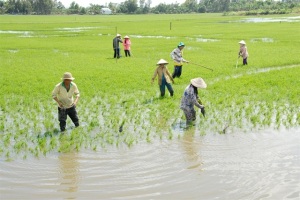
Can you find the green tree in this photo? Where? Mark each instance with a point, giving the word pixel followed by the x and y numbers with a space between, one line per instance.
pixel 2 7
pixel 149 2
pixel 112 7
pixel 95 9
pixel 142 3
pixel 129 6
pixel 191 5
pixel 160 8
pixel 201 8
pixel 42 7
pixel 26 7
pixel 82 11
pixel 58 7
pixel 10 6
pixel 74 8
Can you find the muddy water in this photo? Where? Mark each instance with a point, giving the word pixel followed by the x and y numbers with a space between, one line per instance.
pixel 263 165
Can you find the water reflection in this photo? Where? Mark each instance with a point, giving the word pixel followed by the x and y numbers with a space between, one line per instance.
pixel 213 166
pixel 69 177
pixel 191 148
pixel 279 19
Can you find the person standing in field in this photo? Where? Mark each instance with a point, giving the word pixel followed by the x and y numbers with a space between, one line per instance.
pixel 127 44
pixel 164 77
pixel 243 52
pixel 116 46
pixel 177 56
pixel 63 94
pixel 190 99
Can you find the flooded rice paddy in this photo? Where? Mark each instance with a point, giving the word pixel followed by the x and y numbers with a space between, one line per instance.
pixel 257 165
pixel 268 19
pixel 262 40
pixel 246 152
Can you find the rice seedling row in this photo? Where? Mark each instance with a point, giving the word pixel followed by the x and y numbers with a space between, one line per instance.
pixel 118 105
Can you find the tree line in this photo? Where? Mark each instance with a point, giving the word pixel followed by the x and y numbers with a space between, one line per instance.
pixel 250 7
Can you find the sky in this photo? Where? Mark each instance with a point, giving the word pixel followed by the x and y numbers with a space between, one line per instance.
pixel 86 3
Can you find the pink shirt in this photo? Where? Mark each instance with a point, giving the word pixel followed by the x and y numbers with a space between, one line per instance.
pixel 126 44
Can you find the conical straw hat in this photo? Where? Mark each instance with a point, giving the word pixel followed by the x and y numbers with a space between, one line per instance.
pixel 162 61
pixel 198 82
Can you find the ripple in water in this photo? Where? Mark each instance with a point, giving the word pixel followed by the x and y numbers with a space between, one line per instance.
pixel 228 166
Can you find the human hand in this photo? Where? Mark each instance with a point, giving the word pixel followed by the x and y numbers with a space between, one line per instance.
pixel 199 101
pixel 203 111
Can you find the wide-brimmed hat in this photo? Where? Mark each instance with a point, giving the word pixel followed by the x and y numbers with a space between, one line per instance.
pixel 118 35
pixel 242 42
pixel 126 36
pixel 198 82
pixel 181 44
pixel 162 61
pixel 68 76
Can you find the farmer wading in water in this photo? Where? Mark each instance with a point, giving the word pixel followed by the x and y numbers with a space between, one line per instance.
pixel 164 77
pixel 190 99
pixel 176 55
pixel 63 94
pixel 243 52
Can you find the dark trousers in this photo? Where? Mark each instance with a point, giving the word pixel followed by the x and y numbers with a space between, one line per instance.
pixel 62 116
pixel 117 53
pixel 127 53
pixel 245 61
pixel 177 71
pixel 163 86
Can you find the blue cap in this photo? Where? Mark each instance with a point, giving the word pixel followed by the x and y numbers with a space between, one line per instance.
pixel 180 44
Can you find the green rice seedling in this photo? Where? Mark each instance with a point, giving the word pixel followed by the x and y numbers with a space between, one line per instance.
pixel 53 143
pixel 48 124
pixel 36 152
pixel 148 139
pixel 110 139
pixel 254 120
pixel 292 118
pixel 20 146
pixel 1 149
pixel 233 94
pixel 170 134
pixel 278 119
pixel 42 143
pixel 64 146
pixel 7 139
pixel 129 140
pixel 7 156
pixel 1 125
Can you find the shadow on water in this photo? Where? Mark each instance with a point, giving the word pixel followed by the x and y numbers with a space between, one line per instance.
pixel 55 132
pixel 52 133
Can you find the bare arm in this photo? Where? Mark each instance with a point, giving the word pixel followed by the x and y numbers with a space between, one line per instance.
pixel 58 102
pixel 170 76
pixel 76 100
pixel 154 76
